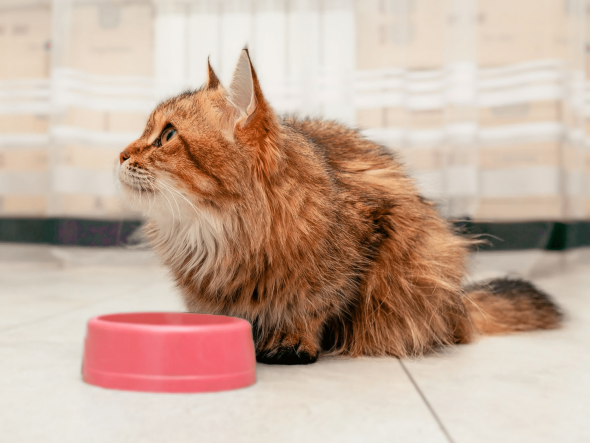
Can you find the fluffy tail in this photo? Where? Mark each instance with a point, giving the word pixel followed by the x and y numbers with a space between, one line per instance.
pixel 504 305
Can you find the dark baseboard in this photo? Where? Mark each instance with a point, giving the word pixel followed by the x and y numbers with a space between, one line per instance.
pixel 546 235
pixel 66 231
pixel 499 236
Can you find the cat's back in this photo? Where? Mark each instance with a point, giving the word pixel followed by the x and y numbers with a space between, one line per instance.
pixel 344 148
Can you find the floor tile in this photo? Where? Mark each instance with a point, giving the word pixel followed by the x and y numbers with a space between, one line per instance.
pixel 528 387
pixel 70 326
pixel 363 400
pixel 27 295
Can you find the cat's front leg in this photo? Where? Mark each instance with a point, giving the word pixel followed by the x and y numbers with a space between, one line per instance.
pixel 300 346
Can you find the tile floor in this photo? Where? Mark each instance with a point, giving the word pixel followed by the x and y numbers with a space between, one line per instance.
pixel 531 387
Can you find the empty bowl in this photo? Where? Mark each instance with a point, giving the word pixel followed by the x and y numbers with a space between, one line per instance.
pixel 169 352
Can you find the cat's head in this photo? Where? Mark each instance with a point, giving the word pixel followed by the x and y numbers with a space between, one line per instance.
pixel 202 150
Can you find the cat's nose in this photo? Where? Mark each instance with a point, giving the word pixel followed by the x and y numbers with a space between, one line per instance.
pixel 123 156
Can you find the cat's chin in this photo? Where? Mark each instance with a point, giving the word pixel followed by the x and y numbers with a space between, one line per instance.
pixel 135 197
pixel 134 189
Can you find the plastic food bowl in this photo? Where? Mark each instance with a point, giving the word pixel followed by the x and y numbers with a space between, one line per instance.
pixel 169 352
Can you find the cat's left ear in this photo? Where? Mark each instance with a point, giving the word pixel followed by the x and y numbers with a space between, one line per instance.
pixel 244 90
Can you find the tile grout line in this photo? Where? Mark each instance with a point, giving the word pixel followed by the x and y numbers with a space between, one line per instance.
pixel 428 405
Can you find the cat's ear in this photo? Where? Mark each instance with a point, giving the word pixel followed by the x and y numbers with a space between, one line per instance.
pixel 253 120
pixel 244 88
pixel 212 80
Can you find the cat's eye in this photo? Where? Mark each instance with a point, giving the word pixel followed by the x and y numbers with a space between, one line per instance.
pixel 167 134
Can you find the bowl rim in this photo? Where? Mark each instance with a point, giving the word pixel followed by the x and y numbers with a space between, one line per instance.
pixel 109 321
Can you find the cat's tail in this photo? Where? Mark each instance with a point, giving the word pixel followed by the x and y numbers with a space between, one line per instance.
pixel 504 305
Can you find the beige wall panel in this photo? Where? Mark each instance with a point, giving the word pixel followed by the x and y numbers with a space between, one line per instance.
pixel 574 208
pixel 519 208
pixel 557 29
pixel 572 117
pixel 18 123
pixel 573 157
pixel 428 119
pixel 460 113
pixel 401 35
pixel 112 39
pixel 510 31
pixel 395 117
pixel 461 156
pixel 373 49
pixel 127 121
pixel 422 159
pixel 91 206
pixel 369 118
pixel 429 21
pixel 29 160
pixel 93 120
pixel 519 114
pixel 84 118
pixel 101 159
pixel 15 205
pixel 520 155
pixel 24 35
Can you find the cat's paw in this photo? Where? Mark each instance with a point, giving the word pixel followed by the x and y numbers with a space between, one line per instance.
pixel 286 356
pixel 290 351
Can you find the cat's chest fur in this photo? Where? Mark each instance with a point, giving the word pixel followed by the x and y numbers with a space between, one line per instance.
pixel 194 248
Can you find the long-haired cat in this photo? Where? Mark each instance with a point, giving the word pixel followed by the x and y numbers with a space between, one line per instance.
pixel 314 234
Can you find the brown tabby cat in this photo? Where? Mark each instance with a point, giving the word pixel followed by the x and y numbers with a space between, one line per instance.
pixel 314 234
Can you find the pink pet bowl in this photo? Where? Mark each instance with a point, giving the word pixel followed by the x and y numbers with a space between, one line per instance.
pixel 166 352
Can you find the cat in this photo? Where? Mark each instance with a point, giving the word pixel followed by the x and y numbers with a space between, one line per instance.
pixel 311 232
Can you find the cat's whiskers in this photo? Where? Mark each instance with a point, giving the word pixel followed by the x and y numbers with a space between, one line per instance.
pixel 161 191
pixel 163 187
pixel 140 181
pixel 171 190
pixel 150 204
pixel 197 212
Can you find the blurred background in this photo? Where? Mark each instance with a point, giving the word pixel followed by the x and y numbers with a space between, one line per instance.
pixel 485 100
